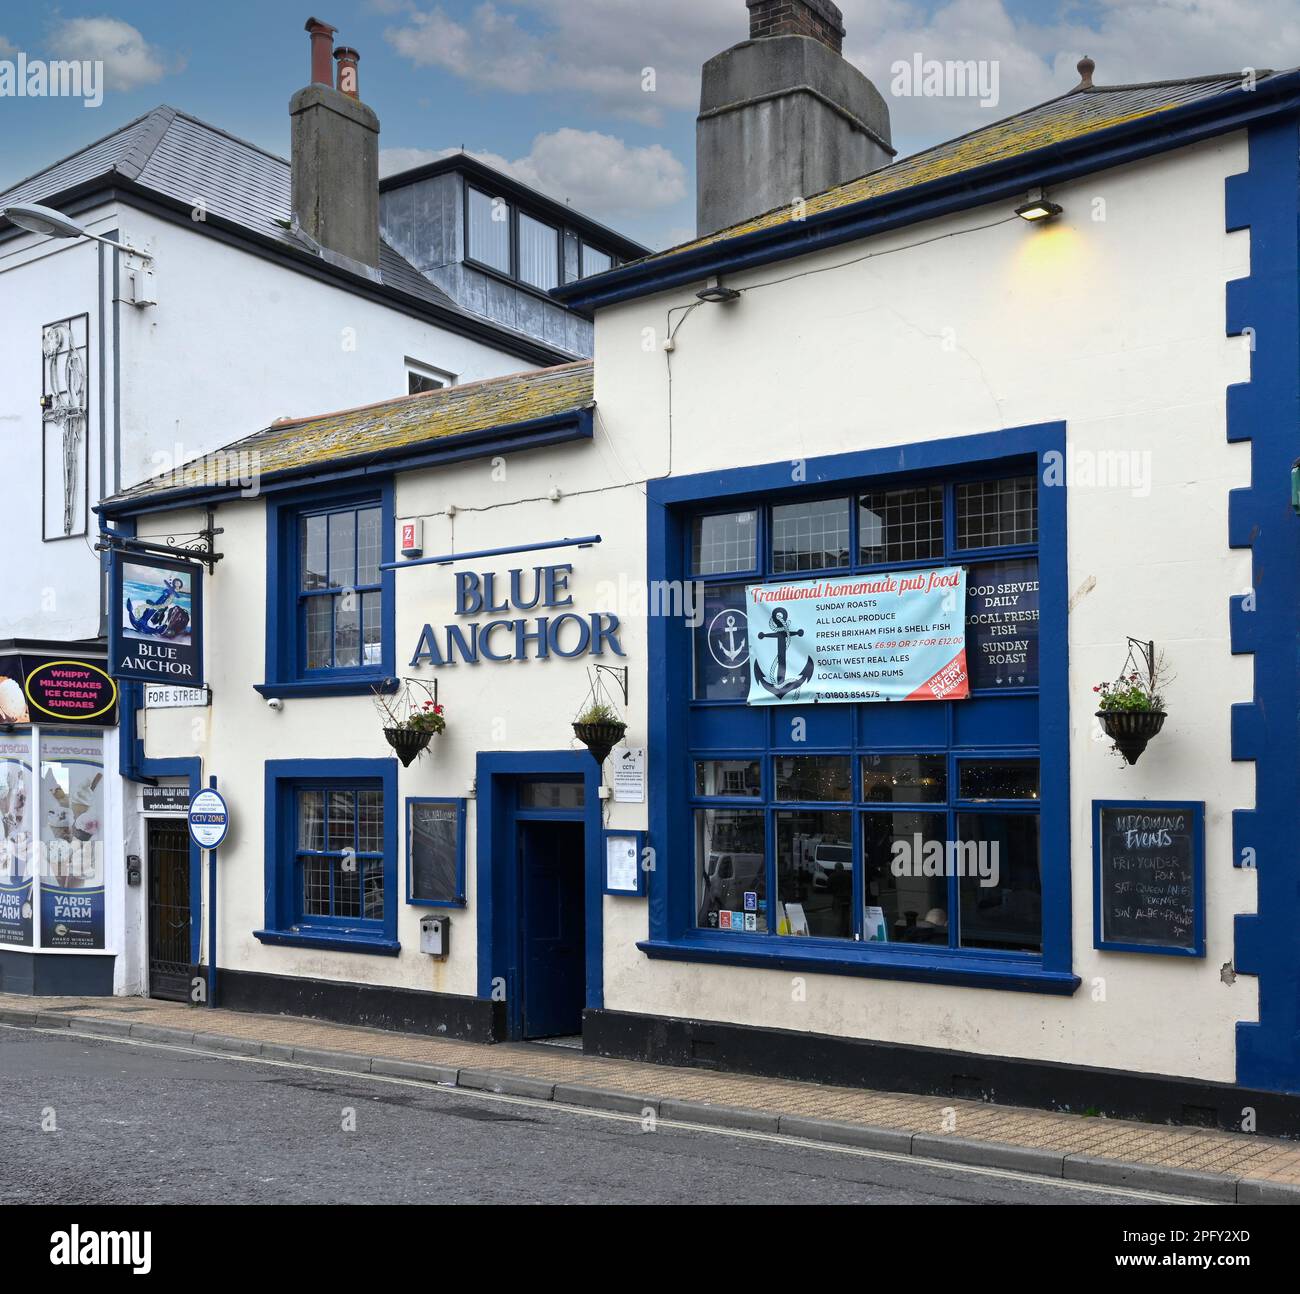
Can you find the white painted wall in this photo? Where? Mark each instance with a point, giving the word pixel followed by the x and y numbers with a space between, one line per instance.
pixel 50 590
pixel 1114 326
pixel 233 342
pixel 237 341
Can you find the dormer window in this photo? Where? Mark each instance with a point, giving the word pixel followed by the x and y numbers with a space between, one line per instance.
pixel 539 253
pixel 489 232
pixel 503 238
pixel 594 261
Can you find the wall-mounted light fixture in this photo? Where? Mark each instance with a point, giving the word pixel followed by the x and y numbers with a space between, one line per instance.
pixel 54 224
pixel 716 294
pixel 1038 208
pixel 37 219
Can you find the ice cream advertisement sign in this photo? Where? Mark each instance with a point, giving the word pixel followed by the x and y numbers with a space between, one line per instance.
pixel 16 853
pixel 892 636
pixel 71 837
pixel 156 622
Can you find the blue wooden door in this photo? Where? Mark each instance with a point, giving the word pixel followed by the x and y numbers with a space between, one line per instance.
pixel 553 924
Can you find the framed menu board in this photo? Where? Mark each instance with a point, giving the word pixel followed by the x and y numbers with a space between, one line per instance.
pixel 435 852
pixel 1149 876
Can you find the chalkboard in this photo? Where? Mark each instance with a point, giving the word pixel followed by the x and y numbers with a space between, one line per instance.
pixel 435 852
pixel 1149 877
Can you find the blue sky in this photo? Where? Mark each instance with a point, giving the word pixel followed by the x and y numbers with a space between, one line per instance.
pixel 593 100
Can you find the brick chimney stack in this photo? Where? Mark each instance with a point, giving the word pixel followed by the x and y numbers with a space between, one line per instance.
pixel 819 19
pixel 334 158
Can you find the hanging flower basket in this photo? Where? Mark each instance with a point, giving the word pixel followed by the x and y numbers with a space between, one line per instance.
pixel 407 742
pixel 1132 709
pixel 600 738
pixel 410 723
pixel 600 729
pixel 1130 730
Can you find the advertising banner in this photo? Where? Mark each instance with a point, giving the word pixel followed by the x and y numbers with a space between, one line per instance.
pixel 16 840
pixel 156 620
pixel 49 687
pixel 891 636
pixel 72 841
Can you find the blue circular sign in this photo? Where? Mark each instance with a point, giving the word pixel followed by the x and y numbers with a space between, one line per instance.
pixel 209 819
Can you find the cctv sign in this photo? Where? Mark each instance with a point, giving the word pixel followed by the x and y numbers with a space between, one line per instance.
pixel 209 819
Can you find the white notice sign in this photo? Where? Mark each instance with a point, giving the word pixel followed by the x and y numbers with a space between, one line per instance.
pixel 629 774
pixel 621 865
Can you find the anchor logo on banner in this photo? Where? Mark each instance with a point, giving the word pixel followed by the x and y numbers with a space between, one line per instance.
pixel 779 685
pixel 729 638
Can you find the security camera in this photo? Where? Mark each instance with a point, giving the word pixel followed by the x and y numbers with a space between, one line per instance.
pixel 274 703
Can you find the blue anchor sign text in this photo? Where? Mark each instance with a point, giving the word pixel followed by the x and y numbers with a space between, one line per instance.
pixel 508 637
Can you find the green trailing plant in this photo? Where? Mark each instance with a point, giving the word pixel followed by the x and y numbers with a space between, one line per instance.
pixel 599 712
pixel 1136 690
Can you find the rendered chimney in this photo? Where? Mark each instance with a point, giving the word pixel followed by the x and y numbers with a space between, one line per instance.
pixel 335 158
pixel 347 60
pixel 783 115
pixel 816 18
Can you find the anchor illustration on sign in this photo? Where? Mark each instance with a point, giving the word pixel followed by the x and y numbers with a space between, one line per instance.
pixel 780 686
pixel 730 648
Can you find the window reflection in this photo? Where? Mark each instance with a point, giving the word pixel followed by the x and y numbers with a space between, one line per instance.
pixel 904 779
pixel 1002 906
pixel 727 777
pixel 814 873
pixel 813 777
pixel 903 904
pixel 731 870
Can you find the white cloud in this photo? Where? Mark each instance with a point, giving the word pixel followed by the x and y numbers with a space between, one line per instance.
pixel 600 51
pixel 600 175
pixel 1130 40
pixel 129 60
pixel 632 61
pixel 7 48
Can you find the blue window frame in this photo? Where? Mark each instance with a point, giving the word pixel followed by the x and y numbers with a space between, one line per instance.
pixel 330 609
pixel 331 854
pixel 817 845
pixel 810 826
pixel 435 852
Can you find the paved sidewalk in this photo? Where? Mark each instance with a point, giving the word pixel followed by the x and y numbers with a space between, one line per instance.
pixel 1183 1161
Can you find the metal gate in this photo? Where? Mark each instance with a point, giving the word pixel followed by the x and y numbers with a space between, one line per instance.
pixel 170 968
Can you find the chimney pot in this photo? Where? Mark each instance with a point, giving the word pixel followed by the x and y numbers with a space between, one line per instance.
pixel 322 43
pixel 1085 67
pixel 348 59
pixel 819 19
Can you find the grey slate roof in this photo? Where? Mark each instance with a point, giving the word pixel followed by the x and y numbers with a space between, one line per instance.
pixel 184 159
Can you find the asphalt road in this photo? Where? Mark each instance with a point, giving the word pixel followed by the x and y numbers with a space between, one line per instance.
pixel 136 1123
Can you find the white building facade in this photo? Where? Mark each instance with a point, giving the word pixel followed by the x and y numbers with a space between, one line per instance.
pixel 890 382
pixel 195 304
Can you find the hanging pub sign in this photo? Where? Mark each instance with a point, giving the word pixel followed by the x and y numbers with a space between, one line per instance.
pixel 156 620
pixel 49 689
pixel 893 636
